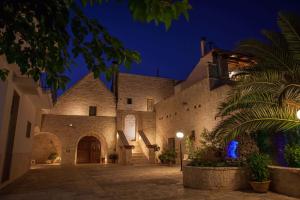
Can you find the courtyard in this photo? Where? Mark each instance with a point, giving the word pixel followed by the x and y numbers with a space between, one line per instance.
pixel 115 182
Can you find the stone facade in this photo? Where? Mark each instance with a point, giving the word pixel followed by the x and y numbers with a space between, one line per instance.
pixel 140 88
pixel 157 106
pixel 87 92
pixel 70 129
pixel 190 111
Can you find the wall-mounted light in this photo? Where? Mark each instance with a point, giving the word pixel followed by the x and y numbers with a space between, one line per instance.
pixel 179 135
pixel 298 114
pixel 71 125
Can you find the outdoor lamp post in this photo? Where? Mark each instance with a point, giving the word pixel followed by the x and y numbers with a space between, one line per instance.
pixel 298 114
pixel 180 135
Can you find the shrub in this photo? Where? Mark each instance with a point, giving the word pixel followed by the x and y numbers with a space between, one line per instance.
pixel 113 157
pixel 52 156
pixel 258 164
pixel 168 156
pixel 292 155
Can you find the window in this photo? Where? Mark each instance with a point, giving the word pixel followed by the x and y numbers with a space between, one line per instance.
pixel 93 111
pixel 28 129
pixel 129 101
pixel 150 103
pixel 171 144
pixel 192 136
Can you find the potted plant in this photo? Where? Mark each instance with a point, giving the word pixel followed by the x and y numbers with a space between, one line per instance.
pixel 168 157
pixel 113 157
pixel 260 175
pixel 292 155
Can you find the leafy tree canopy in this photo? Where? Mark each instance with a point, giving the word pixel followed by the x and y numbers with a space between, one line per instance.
pixel 37 34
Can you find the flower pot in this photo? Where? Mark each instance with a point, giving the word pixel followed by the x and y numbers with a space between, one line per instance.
pixel 260 187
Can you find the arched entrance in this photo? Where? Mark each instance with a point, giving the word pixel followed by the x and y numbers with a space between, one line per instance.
pixel 88 150
pixel 46 148
pixel 130 129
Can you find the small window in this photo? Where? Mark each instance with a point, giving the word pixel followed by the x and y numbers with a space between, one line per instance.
pixel 150 103
pixel 93 111
pixel 28 130
pixel 171 144
pixel 192 135
pixel 129 101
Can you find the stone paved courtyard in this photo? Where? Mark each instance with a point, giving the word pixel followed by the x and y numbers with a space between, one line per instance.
pixel 115 182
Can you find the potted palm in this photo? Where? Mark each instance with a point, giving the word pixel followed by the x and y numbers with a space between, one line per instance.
pixel 113 157
pixel 260 175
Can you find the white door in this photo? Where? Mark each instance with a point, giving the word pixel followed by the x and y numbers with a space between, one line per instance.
pixel 130 127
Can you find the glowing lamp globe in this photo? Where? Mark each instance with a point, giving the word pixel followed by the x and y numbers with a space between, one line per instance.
pixel 179 135
pixel 298 114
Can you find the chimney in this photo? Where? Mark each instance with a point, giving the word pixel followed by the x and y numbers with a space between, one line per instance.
pixel 210 46
pixel 203 46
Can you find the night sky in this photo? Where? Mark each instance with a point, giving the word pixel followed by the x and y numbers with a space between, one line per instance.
pixel 176 51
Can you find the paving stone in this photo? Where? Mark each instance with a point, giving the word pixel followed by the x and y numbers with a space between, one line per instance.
pixel 89 182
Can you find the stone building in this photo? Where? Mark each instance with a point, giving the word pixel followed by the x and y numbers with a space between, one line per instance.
pixel 89 121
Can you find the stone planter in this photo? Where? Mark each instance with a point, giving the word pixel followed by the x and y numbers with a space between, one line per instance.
pixel 285 180
pixel 215 178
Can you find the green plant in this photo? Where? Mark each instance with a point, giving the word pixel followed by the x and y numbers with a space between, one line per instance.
pixel 168 156
pixel 258 165
pixel 113 157
pixel 52 156
pixel 189 146
pixel 266 97
pixel 292 155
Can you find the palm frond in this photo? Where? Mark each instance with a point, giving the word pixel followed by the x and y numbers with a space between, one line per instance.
pixel 290 95
pixel 253 101
pixel 269 56
pixel 249 120
pixel 290 27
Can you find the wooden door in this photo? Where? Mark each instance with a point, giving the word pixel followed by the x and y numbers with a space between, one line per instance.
pixel 11 137
pixel 88 150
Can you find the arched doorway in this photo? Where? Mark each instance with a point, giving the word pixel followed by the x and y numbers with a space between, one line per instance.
pixel 46 148
pixel 130 127
pixel 88 150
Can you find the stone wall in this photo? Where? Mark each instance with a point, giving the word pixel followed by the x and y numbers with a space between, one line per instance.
pixel 285 180
pixel 70 129
pixel 140 88
pixel 87 92
pixel 192 109
pixel 215 178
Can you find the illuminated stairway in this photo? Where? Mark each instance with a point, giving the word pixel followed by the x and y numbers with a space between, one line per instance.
pixel 138 157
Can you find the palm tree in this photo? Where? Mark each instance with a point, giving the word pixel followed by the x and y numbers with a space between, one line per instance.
pixel 266 95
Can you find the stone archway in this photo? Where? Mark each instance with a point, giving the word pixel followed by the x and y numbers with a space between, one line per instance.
pixel 45 147
pixel 88 150
pixel 130 127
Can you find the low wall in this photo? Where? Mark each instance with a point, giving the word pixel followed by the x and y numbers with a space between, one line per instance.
pixel 285 180
pixel 215 178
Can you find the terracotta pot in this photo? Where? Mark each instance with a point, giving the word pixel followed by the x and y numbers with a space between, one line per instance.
pixel 260 187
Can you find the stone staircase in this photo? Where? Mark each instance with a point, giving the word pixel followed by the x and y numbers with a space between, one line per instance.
pixel 138 157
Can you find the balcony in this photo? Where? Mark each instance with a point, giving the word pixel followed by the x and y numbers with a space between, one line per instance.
pixel 41 95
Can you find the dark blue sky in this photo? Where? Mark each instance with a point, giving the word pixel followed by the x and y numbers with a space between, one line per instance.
pixel 176 51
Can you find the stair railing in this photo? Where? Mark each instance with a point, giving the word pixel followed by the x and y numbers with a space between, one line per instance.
pixel 147 148
pixel 124 149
